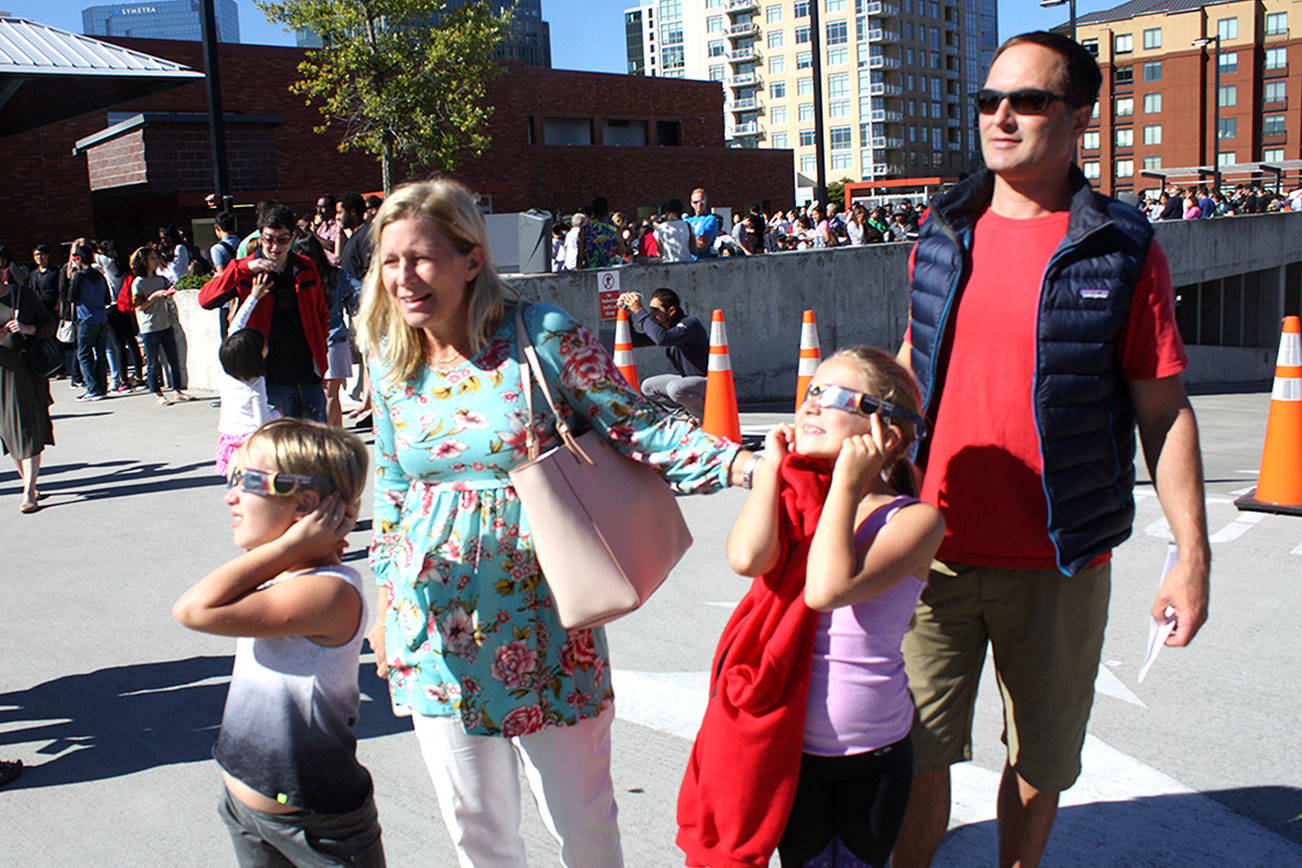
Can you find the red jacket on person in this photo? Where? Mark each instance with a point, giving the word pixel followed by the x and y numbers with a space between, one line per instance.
pixel 236 279
pixel 741 777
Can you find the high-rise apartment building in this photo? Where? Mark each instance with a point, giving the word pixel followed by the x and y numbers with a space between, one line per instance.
pixel 1192 83
pixel 899 76
pixel 163 19
pixel 528 41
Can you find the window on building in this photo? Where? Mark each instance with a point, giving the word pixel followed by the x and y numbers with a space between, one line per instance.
pixel 1125 168
pixel 805 112
pixel 838 108
pixel 1153 134
pixel 802 35
pixel 1272 125
pixel 774 39
pixel 671 9
pixel 1152 163
pixel 1227 95
pixel 714 24
pixel 1227 28
pixel 838 138
pixel 1228 129
pixel 1125 137
pixel 1226 158
pixel 834 6
pixel 836 33
pixel 772 14
pixel 922 107
pixel 1124 76
pixel 1229 62
pixel 1090 141
pixel 1153 38
pixel 1274 91
pixel 671 33
pixel 777 115
pixel 1153 70
pixel 673 57
pixel 802 9
pixel 1094 114
pixel 777 89
pixel 1123 43
pixel 808 165
pixel 1276 23
pixel 713 49
pixel 1091 170
pixel 709 4
pixel 839 160
pixel 804 60
pixel 1092 46
pixel 716 73
pixel 1125 106
pixel 838 55
pixel 838 85
pixel 778 140
pixel 567 131
pixel 1276 58
pixel 1272 155
pixel 804 86
pixel 1152 103
pixel 777 65
pixel 806 138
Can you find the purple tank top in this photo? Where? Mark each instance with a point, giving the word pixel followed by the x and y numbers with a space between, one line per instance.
pixel 858 693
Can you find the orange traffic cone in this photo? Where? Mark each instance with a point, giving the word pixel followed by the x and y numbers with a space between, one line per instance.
pixel 721 417
pixel 1279 483
pixel 810 355
pixel 624 348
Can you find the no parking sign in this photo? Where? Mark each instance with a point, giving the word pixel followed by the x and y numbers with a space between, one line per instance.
pixel 608 293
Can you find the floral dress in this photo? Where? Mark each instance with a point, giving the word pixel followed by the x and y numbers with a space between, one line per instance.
pixel 471 628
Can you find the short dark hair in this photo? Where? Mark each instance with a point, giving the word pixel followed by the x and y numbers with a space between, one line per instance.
pixel 353 202
pixel 277 216
pixel 225 221
pixel 667 297
pixel 372 201
pixel 675 207
pixel 241 354
pixel 1081 78
pixel 83 251
pixel 42 248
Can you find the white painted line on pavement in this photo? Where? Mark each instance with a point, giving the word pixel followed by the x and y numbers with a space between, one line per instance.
pixel 1236 528
pixel 1110 685
pixel 1241 491
pixel 1297 551
pixel 722 604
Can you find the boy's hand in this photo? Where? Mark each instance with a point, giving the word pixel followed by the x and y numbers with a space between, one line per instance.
pixel 261 284
pixel 323 530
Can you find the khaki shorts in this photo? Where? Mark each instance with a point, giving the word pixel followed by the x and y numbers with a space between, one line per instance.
pixel 1046 631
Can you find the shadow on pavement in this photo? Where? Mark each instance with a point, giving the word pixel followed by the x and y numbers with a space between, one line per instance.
pixel 126 719
pixel 1262 827
pixel 147 478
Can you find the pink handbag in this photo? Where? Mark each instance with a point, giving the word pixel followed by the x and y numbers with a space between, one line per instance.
pixel 606 528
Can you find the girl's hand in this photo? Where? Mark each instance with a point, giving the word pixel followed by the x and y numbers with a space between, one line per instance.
pixel 321 532
pixel 863 456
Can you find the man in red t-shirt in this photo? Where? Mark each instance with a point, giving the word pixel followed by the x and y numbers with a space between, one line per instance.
pixel 1024 564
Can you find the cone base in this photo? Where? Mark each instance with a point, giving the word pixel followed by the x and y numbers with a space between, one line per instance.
pixel 1249 503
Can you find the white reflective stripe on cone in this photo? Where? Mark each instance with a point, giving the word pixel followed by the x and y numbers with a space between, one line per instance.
pixel 1287 389
pixel 1290 351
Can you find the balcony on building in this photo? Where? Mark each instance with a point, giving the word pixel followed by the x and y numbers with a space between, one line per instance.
pixel 742 55
pixel 738 31
pixel 881 88
pixel 745 104
pixel 882 34
pixel 746 130
pixel 881 9
pixel 745 79
pixel 881 61
pixel 888 142
pixel 885 116
pixel 742 5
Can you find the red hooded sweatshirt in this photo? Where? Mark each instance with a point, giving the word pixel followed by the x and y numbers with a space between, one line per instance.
pixel 741 778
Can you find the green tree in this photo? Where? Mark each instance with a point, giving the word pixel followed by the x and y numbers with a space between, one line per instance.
pixel 836 193
pixel 405 79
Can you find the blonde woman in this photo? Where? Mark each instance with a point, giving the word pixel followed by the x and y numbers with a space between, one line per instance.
pixel 469 638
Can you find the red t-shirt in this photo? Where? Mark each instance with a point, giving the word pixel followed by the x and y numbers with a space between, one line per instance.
pixel 983 466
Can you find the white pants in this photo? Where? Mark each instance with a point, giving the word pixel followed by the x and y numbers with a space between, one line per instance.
pixel 476 779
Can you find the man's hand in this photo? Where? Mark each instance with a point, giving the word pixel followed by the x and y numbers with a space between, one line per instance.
pixel 1186 589
pixel 260 264
pixel 630 300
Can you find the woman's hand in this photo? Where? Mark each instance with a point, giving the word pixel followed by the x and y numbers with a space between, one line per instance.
pixel 376 638
pixel 778 442
pixel 863 456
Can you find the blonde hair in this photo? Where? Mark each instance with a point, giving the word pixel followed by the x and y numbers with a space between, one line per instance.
pixel 452 208
pixel 889 380
pixel 313 449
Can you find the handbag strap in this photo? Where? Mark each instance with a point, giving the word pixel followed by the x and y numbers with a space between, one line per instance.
pixel 530 365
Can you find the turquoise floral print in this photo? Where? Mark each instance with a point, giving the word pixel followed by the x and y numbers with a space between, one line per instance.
pixel 471 629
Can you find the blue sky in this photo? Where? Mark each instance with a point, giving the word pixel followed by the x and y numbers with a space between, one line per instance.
pixel 586 34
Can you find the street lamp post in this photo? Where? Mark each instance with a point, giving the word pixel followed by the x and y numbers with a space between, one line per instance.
pixel 1203 42
pixel 1071 13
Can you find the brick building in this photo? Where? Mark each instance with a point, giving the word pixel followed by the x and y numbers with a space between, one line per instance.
pixel 559 139
pixel 1157 108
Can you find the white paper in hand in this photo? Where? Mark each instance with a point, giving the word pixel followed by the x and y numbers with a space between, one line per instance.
pixel 1158 631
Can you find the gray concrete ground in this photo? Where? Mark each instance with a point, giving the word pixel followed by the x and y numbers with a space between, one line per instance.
pixel 114 707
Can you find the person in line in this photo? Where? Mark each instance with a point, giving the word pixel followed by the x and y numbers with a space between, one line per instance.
pixel 150 292
pixel 808 701
pixel 1036 482
pixel 293 316
pixel 341 289
pixel 89 293
pixel 574 241
pixel 600 244
pixel 673 234
pixel 25 425
pixel 466 631
pixel 662 323
pixel 173 253
pixel 705 225
pixel 295 793
pixel 242 384
pixel 120 335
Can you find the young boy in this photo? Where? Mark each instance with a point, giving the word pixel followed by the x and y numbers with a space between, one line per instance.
pixel 295 793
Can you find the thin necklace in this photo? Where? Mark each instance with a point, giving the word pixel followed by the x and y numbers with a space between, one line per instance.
pixel 446 360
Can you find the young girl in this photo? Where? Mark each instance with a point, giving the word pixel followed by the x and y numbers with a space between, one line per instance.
pixel 295 792
pixel 805 743
pixel 243 385
pixel 150 292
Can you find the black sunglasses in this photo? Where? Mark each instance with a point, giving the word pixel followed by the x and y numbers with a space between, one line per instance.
pixel 1025 101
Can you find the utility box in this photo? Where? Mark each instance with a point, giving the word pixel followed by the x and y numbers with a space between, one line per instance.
pixel 535 241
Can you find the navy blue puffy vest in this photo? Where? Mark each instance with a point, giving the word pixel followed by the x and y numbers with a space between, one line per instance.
pixel 1083 414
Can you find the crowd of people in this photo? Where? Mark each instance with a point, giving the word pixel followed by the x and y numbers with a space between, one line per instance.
pixel 1205 201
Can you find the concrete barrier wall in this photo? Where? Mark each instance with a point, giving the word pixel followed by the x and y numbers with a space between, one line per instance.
pixel 860 295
